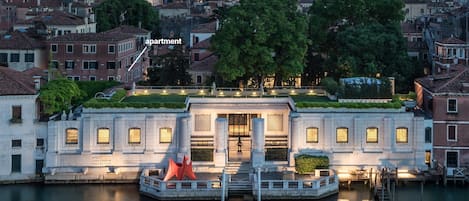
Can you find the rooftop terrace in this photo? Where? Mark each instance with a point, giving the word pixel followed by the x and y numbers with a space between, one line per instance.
pixel 175 97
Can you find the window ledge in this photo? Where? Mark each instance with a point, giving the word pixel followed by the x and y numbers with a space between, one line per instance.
pixel 16 121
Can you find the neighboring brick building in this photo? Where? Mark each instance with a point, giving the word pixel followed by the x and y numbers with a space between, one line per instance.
pixel 450 51
pixel 445 96
pixel 96 56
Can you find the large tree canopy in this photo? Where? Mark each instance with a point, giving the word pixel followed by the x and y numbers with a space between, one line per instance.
pixel 260 38
pixel 113 13
pixel 359 38
pixel 58 95
pixel 173 71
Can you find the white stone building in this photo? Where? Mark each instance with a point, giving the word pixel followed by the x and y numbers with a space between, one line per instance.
pixel 23 135
pixel 216 132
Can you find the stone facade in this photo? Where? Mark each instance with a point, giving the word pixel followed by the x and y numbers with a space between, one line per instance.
pixel 233 130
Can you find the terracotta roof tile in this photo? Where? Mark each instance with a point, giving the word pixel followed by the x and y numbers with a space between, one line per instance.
pixel 447 82
pixel 205 65
pixel 210 27
pixel 19 41
pixel 55 18
pixel 205 44
pixel 103 36
pixel 128 29
pixel 452 40
pixel 16 83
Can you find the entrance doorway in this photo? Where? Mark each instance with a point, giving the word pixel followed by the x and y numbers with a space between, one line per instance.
pixel 239 136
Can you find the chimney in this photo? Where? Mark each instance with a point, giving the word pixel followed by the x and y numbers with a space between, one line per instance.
pixel 139 24
pixel 37 82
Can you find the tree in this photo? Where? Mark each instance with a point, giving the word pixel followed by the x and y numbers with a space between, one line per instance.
pixel 174 69
pixel 58 95
pixel 359 38
pixel 259 38
pixel 113 13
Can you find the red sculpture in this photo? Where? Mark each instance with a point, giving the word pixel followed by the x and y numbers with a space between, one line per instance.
pixel 180 169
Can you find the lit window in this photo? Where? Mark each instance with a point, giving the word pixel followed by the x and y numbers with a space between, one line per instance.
pixel 428 156
pixel 134 136
pixel 401 135
pixel 342 135
pixel 312 135
pixel 452 106
pixel 451 133
pixel 71 136
pixel 372 135
pixel 166 135
pixel 103 136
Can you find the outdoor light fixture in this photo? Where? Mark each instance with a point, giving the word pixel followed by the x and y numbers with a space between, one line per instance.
pixel 183 92
pixel 164 92
pixel 221 93
pixel 237 93
pixel 273 92
pixel 145 92
pixel 254 93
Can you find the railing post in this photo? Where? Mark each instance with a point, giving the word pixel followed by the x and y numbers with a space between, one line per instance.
pixel 271 185
pixel 285 184
pixel 178 185
pixel 194 185
pixel 316 184
pixel 300 184
pixel 163 185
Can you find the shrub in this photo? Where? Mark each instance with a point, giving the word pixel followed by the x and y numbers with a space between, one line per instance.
pixel 330 85
pixel 307 163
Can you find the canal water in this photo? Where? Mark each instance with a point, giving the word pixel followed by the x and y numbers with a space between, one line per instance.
pixel 129 192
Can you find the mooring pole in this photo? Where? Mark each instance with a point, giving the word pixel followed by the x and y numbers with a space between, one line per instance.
pixel 259 184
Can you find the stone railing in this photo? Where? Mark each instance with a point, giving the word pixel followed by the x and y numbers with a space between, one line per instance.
pixel 291 189
pixel 174 190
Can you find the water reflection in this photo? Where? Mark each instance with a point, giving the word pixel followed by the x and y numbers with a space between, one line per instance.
pixel 129 192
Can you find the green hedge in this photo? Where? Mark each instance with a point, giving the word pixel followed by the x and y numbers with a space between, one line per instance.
pixel 308 163
pixel 390 105
pixel 99 104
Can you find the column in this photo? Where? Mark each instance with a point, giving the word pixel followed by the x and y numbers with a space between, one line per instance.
pixel 150 134
pixel 119 134
pixel 85 135
pixel 221 132
pixel 184 138
pixel 258 142
pixel 295 137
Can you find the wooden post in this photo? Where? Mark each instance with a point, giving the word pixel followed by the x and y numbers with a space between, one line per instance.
pixel 444 176
pixel 397 176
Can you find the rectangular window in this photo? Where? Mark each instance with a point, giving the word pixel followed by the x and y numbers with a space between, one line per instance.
pixel 401 135
pixel 196 56
pixel 342 135
pixel 372 135
pixel 40 142
pixel 452 105
pixel 16 112
pixel 4 59
pixel 29 57
pixel 103 136
pixel 428 135
pixel 89 48
pixel 53 48
pixel 16 143
pixel 134 136
pixel 312 135
pixel 428 156
pixel 71 136
pixel 275 122
pixel 110 78
pixel 111 65
pixel 166 135
pixel 92 78
pixel 16 163
pixel 90 65
pixel 202 122
pixel 111 49
pixel 452 159
pixel 69 64
pixel 14 57
pixel 69 48
pixel 452 133
pixel 54 64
